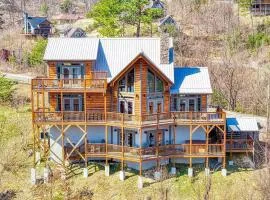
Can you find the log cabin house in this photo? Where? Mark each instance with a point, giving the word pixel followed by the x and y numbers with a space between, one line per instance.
pixel 123 100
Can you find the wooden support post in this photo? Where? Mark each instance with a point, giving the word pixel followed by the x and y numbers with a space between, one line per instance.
pixel 190 139
pixel 85 127
pixel 122 133
pixel 140 153
pixel 207 145
pixel 34 145
pixel 231 144
pixel 106 145
pixel 190 144
pixel 225 138
pixel 174 134
pixel 140 173
pixel 62 130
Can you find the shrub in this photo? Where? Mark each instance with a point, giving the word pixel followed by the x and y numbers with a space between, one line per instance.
pixel 35 57
pixel 257 40
pixel 6 89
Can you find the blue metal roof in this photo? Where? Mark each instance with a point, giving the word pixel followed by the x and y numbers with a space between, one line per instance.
pixel 35 21
pixel 191 80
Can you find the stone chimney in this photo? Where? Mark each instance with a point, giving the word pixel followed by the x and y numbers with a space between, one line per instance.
pixel 165 48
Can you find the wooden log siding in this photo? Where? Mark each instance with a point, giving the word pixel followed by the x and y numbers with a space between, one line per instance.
pixel 88 69
pixel 52 70
pixel 95 101
pixel 137 89
pixel 144 87
pixel 204 102
pixel 53 101
pixel 166 100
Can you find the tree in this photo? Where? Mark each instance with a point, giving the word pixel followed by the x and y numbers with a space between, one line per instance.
pixel 112 16
pixel 35 57
pixel 106 14
pixel 66 6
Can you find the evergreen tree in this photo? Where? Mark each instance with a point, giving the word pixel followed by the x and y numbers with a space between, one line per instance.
pixel 111 16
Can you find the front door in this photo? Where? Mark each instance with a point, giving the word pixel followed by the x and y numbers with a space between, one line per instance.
pixel 129 141
pixel 66 76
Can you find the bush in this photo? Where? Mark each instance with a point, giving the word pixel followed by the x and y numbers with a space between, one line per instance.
pixel 35 57
pixel 6 89
pixel 257 40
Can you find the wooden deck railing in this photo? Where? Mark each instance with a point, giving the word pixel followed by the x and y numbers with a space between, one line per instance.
pixel 239 145
pixel 128 119
pixel 144 153
pixel 94 85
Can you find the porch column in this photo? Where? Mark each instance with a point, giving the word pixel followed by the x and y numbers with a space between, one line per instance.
pixel 173 169
pixel 122 172
pixel 207 170
pixel 107 166
pixel 190 169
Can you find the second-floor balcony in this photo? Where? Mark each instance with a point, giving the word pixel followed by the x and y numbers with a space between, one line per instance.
pixel 121 119
pixel 90 85
pixel 97 83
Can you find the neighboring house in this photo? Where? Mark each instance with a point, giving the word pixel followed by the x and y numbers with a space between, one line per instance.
pixel 74 33
pixel 156 4
pixel 123 100
pixel 260 7
pixel 36 26
pixel 242 134
pixel 167 21
pixel 67 18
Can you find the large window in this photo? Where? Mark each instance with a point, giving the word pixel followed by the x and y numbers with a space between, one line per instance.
pixel 130 81
pixel 126 84
pixel 155 84
pixel 122 85
pixel 126 106
pixel 151 82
